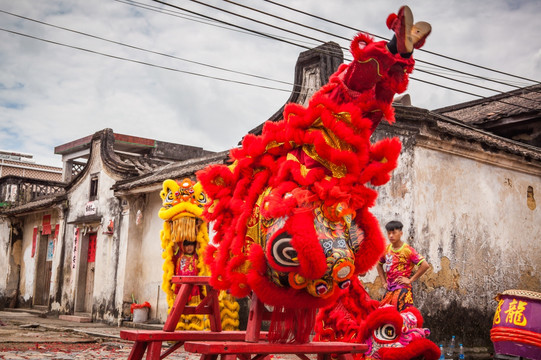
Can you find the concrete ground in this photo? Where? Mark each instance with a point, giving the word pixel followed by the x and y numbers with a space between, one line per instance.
pixel 28 335
pixel 31 335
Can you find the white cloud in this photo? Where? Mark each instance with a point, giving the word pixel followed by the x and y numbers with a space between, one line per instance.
pixel 50 95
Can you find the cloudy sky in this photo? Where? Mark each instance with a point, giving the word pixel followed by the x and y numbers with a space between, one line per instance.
pixel 69 68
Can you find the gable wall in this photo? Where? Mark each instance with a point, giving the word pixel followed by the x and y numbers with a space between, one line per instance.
pixel 106 244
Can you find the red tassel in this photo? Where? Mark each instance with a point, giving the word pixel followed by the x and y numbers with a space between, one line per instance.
pixel 291 326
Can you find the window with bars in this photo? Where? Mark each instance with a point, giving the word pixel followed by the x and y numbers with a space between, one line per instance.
pixel 93 187
pixel 76 168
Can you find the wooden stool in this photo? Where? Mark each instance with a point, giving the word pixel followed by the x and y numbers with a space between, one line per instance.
pixel 153 339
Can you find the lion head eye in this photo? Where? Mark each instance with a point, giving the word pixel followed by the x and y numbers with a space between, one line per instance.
pixel 385 332
pixel 169 198
pixel 282 252
pixel 202 199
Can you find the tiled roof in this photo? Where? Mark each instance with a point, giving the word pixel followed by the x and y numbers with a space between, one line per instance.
pixel 522 102
pixel 450 127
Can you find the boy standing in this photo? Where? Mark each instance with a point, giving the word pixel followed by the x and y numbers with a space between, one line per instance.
pixel 395 268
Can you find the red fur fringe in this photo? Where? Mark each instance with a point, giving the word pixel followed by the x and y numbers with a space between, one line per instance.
pixel 262 163
pixel 291 325
pixel 419 348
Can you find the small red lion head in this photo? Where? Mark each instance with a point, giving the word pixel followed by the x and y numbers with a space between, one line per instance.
pixel 393 335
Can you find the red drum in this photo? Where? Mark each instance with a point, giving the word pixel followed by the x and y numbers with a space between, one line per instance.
pixel 516 329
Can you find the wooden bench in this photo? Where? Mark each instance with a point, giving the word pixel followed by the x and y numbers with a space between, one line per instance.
pixel 144 338
pixel 228 344
pixel 230 350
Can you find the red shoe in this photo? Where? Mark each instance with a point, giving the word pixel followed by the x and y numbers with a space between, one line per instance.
pixel 402 24
pixel 419 32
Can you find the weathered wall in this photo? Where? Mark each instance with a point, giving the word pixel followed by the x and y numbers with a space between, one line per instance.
pixel 152 262
pixel 57 274
pixel 472 220
pixel 5 254
pixel 28 266
pixel 144 273
pixel 14 273
pixel 394 202
pixel 124 262
pixel 67 301
pixel 395 199
pixel 11 235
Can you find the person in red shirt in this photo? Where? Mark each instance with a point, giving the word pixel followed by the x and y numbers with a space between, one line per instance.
pixel 186 263
pixel 395 268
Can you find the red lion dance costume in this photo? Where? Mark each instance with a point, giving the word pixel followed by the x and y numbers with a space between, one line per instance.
pixel 291 214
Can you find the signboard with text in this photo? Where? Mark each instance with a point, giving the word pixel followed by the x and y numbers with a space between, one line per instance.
pixel 91 208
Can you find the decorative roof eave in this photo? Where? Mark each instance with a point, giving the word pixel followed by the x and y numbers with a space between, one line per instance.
pixel 110 158
pixel 488 139
pixel 153 181
pixel 443 133
pixel 480 151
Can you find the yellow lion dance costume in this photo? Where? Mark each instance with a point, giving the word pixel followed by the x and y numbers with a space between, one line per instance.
pixel 184 238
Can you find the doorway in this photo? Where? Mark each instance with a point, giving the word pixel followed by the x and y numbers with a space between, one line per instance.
pixel 85 283
pixel 44 268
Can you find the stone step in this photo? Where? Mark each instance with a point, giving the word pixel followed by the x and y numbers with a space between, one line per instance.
pixel 32 311
pixel 75 318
